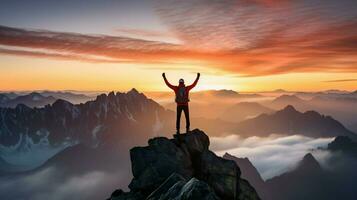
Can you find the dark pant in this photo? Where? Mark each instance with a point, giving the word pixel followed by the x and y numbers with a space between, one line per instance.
pixel 179 109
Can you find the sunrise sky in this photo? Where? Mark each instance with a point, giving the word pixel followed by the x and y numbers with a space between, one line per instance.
pixel 244 45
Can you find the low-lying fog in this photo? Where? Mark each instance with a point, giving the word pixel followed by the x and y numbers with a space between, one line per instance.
pixel 270 155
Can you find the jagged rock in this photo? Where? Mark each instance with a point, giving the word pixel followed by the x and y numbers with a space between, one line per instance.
pixel 249 172
pixel 192 190
pixel 196 142
pixel 223 175
pixel 153 164
pixel 246 191
pixel 184 168
pixel 164 187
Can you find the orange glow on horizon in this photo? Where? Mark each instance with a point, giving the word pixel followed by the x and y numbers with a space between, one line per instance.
pixel 21 74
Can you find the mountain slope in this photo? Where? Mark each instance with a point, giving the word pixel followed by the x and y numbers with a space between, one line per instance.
pixel 290 121
pixel 304 182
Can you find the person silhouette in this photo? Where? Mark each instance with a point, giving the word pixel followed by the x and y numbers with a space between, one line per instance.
pixel 182 99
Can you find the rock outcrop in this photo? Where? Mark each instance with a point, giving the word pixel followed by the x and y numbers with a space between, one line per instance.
pixel 249 172
pixel 184 168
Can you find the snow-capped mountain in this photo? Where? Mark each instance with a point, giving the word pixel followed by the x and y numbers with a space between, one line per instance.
pixel 105 121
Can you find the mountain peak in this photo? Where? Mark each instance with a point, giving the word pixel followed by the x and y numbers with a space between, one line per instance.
pixel 133 91
pixel 288 110
pixel 35 94
pixel 344 144
pixel 176 168
pixel 61 103
pixel 309 162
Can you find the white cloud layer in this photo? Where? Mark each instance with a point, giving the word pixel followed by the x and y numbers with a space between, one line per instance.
pixel 48 184
pixel 270 155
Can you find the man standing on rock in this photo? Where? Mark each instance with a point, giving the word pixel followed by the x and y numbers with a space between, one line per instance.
pixel 182 99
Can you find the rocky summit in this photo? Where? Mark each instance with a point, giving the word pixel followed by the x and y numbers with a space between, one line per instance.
pixel 183 168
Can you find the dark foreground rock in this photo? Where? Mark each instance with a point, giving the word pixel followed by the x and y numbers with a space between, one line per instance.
pixel 184 168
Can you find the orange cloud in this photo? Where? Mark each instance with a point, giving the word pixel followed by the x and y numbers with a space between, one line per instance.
pixel 247 38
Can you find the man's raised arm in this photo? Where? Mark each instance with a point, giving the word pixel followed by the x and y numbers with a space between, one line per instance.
pixel 167 82
pixel 194 83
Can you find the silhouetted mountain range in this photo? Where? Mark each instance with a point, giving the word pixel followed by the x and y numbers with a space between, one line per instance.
pixel 290 121
pixel 40 99
pixel 68 96
pixel 341 106
pixel 33 99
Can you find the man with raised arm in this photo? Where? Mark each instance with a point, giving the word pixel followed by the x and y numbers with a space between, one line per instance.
pixel 182 99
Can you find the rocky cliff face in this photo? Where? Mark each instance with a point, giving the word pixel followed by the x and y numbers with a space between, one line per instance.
pixel 183 168
pixel 249 172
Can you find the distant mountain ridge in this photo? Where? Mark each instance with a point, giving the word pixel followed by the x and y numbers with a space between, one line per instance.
pixel 33 99
pixel 40 99
pixel 105 120
pixel 290 121
pixel 341 106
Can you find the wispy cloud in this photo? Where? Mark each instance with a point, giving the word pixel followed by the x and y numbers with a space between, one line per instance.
pixel 144 33
pixel 341 80
pixel 249 38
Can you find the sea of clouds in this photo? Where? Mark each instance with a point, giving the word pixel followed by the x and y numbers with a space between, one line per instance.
pixel 48 184
pixel 271 155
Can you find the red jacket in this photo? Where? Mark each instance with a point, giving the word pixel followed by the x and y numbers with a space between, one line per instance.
pixel 187 88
